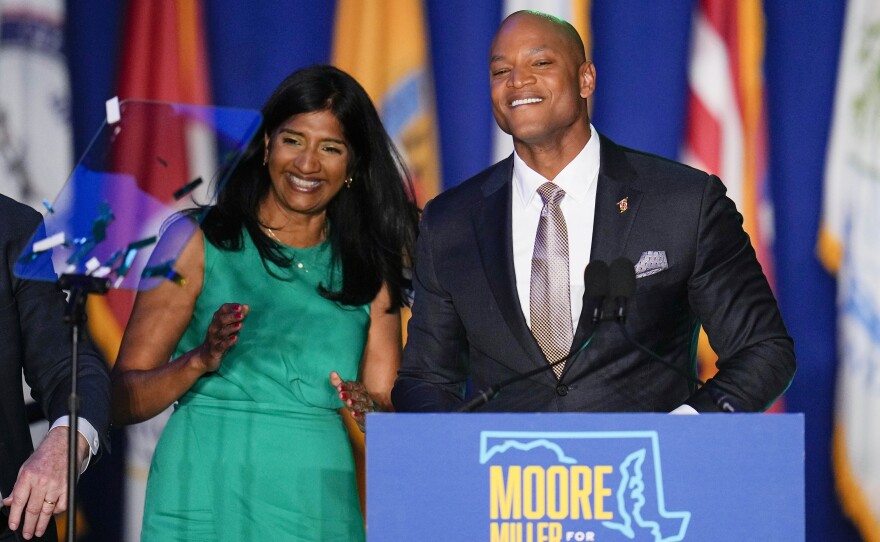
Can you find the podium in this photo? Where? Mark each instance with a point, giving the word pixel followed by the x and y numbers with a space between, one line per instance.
pixel 585 477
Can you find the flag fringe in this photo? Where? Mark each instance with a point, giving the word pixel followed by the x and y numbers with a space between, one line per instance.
pixel 855 503
pixel 829 250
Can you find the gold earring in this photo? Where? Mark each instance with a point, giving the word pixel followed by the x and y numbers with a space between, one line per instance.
pixel 348 182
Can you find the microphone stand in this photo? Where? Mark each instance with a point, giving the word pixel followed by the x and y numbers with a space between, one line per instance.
pixel 721 400
pixel 79 286
pixel 595 287
pixel 622 286
pixel 489 393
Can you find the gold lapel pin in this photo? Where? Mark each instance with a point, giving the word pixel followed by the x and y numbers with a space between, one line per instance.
pixel 623 204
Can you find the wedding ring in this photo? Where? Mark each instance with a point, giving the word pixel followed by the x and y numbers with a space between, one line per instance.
pixel 49 502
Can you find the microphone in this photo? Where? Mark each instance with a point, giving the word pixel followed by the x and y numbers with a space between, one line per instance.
pixel 622 286
pixel 595 287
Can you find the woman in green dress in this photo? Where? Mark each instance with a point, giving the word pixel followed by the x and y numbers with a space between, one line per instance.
pixel 290 311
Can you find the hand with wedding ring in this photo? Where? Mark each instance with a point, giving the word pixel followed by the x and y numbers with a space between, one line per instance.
pixel 355 397
pixel 41 488
pixel 222 335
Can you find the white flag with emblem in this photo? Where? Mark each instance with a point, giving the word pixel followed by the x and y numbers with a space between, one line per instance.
pixel 849 246
pixel 35 141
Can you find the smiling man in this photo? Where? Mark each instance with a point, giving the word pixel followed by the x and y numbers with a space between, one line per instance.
pixel 540 81
pixel 499 277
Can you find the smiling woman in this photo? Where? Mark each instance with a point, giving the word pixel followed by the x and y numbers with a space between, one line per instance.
pixel 308 159
pixel 304 255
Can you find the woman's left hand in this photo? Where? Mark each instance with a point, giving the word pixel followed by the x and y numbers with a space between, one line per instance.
pixel 355 397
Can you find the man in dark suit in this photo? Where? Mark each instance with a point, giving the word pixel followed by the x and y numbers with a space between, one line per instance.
pixel 481 310
pixel 36 340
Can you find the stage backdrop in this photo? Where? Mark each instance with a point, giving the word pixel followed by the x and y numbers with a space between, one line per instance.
pixel 641 51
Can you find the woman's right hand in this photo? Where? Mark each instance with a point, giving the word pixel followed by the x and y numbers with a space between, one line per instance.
pixel 222 334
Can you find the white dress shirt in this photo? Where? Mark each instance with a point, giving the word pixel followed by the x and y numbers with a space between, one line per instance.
pixel 578 179
pixel 87 430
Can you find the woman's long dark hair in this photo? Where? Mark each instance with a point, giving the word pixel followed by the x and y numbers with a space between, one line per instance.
pixel 373 224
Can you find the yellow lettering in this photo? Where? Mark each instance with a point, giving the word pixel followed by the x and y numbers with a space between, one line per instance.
pixel 581 488
pixel 534 492
pixel 600 491
pixel 557 492
pixel 506 499
pixel 549 532
pixel 502 532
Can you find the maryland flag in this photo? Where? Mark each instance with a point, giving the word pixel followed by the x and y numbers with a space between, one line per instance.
pixel 384 45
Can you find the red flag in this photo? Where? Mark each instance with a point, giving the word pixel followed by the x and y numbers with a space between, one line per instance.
pixel 726 131
pixel 163 58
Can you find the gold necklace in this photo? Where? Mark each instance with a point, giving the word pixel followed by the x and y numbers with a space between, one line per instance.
pixel 324 232
pixel 271 233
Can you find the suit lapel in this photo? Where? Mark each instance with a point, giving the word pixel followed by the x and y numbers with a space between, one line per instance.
pixel 493 230
pixel 611 229
pixel 617 204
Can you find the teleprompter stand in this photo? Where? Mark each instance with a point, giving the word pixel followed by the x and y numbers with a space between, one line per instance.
pixel 79 286
pixel 116 221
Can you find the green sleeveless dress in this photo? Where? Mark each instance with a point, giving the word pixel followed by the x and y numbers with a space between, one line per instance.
pixel 257 450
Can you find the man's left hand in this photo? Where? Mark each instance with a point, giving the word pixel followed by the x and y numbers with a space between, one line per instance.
pixel 41 488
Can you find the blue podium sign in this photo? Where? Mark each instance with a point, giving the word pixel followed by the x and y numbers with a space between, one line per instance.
pixel 585 477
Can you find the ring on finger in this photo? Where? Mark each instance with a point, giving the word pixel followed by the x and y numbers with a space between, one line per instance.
pixel 51 503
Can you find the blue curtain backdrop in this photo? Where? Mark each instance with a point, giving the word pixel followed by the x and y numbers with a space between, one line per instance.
pixel 640 51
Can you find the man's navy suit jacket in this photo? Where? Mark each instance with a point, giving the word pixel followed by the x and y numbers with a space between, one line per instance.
pixel 467 324
pixel 35 339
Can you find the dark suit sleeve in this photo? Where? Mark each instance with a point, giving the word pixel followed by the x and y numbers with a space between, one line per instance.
pixel 434 367
pixel 732 298
pixel 46 346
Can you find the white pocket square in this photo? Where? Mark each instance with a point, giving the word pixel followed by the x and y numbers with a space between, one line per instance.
pixel 650 263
